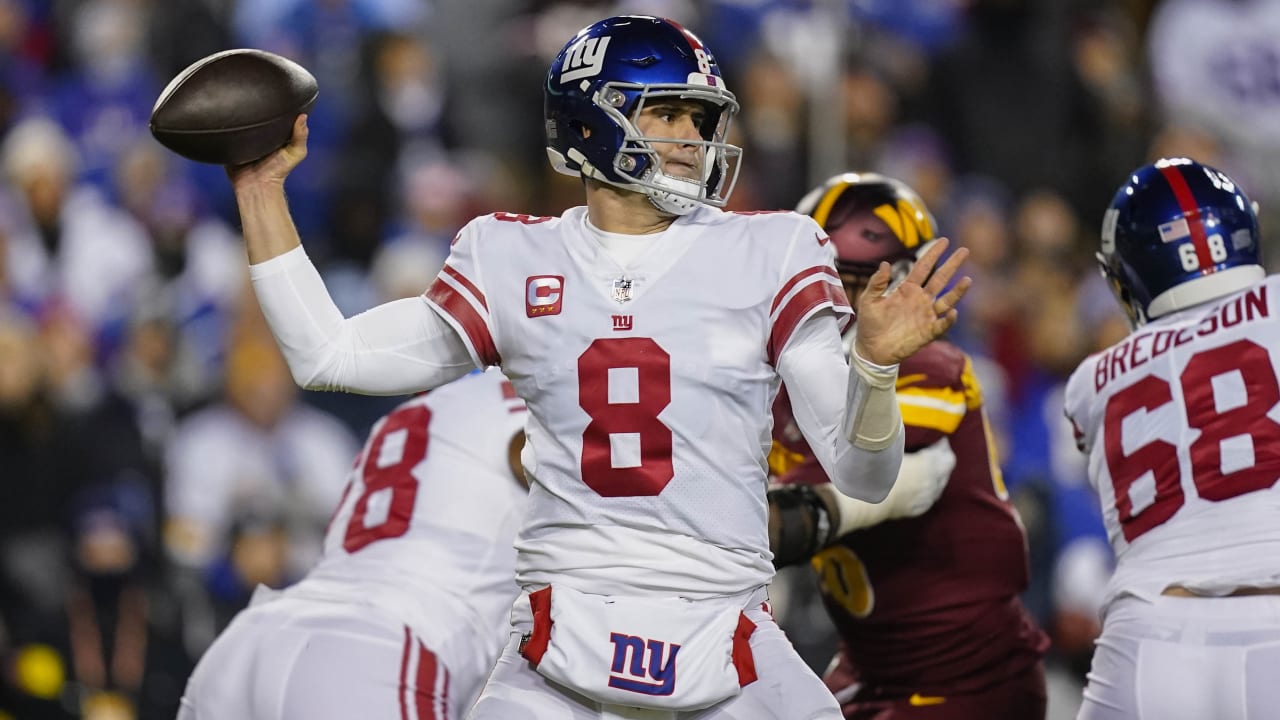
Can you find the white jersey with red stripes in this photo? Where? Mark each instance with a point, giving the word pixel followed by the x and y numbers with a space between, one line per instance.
pixel 649 386
pixel 1181 424
pixel 425 528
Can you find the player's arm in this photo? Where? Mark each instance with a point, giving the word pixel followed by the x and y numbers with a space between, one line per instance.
pixel 397 348
pixel 818 381
pixel 259 189
pixel 803 519
pixel 849 412
pixel 892 326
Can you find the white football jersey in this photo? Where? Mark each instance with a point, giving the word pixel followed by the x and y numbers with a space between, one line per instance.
pixel 1181 424
pixel 426 526
pixel 649 386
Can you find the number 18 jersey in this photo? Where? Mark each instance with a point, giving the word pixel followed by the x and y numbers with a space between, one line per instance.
pixel 649 386
pixel 425 528
pixel 1181 424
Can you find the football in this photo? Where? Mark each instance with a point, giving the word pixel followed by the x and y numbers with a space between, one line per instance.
pixel 232 107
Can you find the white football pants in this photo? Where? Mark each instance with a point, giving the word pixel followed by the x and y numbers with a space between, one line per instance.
pixel 296 658
pixel 1187 659
pixel 786 689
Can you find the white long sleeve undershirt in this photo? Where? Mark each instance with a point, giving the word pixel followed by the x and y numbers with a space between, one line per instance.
pixel 404 346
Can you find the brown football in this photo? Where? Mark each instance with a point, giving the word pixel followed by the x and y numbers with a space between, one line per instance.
pixel 232 107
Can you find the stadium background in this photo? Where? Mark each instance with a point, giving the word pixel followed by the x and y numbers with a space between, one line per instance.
pixel 156 461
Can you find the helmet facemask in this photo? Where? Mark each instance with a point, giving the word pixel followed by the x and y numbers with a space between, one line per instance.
pixel 638 159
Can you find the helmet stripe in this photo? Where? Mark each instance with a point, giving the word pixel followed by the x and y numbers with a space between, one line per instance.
pixel 1190 211
pixel 828 201
pixel 694 42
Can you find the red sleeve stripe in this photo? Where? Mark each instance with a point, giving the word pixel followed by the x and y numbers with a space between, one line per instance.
pixel 1190 211
pixel 801 305
pixel 840 301
pixel 471 288
pixel 799 278
pixel 474 328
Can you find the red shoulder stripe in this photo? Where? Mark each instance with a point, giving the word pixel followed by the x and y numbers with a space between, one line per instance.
pixel 452 302
pixel 797 279
pixel 797 308
pixel 471 288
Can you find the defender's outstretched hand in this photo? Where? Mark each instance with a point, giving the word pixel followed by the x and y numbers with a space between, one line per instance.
pixel 275 167
pixel 893 326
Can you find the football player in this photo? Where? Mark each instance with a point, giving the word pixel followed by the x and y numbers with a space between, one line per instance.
pixel 923 588
pixel 406 611
pixel 648 331
pixel 1179 423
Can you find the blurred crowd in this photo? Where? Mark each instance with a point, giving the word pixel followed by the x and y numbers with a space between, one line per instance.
pixel 157 461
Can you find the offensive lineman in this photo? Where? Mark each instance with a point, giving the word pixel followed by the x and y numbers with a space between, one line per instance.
pixel 1179 423
pixel 406 611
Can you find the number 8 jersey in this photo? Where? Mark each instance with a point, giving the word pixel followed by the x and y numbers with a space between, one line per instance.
pixel 649 386
pixel 1181 425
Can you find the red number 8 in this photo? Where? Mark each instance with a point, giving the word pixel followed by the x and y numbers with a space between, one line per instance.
pixel 408 430
pixel 652 366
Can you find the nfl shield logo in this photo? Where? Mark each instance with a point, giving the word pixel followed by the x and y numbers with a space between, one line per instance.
pixel 621 290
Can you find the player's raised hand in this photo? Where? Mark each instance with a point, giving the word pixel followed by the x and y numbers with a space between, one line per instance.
pixel 275 167
pixel 893 326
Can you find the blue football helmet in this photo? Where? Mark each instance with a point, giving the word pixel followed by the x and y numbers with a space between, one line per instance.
pixel 1178 234
pixel 598 85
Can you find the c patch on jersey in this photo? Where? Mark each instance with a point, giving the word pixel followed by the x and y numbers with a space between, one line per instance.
pixel 543 295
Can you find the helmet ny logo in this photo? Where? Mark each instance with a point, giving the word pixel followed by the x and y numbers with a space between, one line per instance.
pixel 585 59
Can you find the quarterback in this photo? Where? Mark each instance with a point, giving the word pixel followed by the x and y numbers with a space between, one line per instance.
pixel 648 331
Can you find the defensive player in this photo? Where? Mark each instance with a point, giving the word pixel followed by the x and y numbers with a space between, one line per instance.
pixel 407 609
pixel 648 331
pixel 925 598
pixel 1179 422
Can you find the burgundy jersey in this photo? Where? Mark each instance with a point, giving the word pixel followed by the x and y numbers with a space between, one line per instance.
pixel 929 604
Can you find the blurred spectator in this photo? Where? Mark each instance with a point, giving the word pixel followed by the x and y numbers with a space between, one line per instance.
pixel 397 126
pixel 23 76
pixel 1106 54
pixel 260 449
pixel 105 101
pixel 916 154
pixel 773 118
pixel 870 110
pixel 64 243
pixel 123 632
pixel 34 476
pixel 256 552
pixel 66 438
pixel 181 32
pixel 197 273
pixel 1014 54
pixel 1216 68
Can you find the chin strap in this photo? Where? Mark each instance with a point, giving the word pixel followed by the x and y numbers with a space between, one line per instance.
pixel 668 201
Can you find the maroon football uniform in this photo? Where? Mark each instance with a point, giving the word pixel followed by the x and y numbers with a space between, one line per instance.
pixel 927 607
